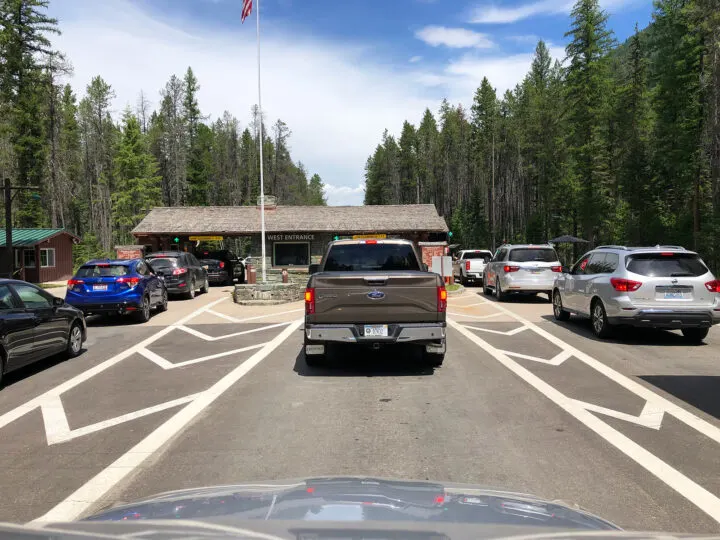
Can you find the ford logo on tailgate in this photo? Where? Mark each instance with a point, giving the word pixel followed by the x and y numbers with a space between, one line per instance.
pixel 376 295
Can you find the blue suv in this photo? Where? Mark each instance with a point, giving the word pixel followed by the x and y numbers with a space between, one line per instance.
pixel 117 287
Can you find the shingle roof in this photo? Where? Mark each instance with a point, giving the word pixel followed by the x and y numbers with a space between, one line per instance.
pixel 30 237
pixel 336 219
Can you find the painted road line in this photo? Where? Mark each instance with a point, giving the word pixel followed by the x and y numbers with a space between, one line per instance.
pixel 49 396
pixel 491 316
pixel 166 364
pixel 698 424
pixel 74 506
pixel 556 360
pixel 266 316
pixel 204 336
pixel 512 332
pixel 695 493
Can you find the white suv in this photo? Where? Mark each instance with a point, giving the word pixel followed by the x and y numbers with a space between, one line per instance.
pixel 522 268
pixel 657 287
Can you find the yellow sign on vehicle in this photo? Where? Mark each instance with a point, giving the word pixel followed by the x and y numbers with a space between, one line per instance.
pixel 206 238
pixel 369 236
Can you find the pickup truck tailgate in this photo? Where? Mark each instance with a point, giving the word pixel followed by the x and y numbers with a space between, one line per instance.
pixel 406 297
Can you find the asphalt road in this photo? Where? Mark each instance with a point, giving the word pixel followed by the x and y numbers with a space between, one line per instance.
pixel 214 393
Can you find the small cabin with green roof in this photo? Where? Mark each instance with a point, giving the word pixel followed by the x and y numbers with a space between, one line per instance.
pixel 40 255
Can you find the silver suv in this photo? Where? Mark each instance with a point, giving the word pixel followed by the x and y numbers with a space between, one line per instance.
pixel 524 268
pixel 656 287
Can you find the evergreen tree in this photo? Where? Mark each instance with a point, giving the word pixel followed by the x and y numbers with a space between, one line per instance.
pixel 316 191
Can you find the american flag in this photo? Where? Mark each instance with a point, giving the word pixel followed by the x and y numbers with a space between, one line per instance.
pixel 246 10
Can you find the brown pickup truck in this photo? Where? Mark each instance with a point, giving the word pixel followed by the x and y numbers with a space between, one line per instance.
pixel 374 293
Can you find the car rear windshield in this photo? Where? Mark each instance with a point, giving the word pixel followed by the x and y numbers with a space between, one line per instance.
pixel 103 270
pixel 359 257
pixel 478 255
pixel 670 265
pixel 533 255
pixel 163 262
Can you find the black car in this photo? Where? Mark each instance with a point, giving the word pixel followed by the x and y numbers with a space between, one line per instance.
pixel 223 266
pixel 35 325
pixel 182 272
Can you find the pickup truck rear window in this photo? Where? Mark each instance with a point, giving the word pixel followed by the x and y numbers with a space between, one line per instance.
pixel 486 255
pixel 532 255
pixel 658 265
pixel 103 270
pixel 360 257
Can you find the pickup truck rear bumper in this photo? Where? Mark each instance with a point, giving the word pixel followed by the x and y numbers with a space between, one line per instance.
pixel 397 333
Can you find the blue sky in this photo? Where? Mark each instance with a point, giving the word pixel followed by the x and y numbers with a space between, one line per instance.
pixel 338 72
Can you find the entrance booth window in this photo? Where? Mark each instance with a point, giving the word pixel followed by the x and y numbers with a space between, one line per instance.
pixel 291 254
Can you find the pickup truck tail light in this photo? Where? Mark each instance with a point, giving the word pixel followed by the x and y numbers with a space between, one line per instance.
pixel 222 264
pixel 131 282
pixel 625 285
pixel 179 271
pixel 441 299
pixel 467 265
pixel 713 286
pixel 309 301
pixel 556 268
pixel 72 282
pixel 509 269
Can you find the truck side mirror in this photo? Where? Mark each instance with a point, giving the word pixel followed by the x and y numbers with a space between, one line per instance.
pixel 313 269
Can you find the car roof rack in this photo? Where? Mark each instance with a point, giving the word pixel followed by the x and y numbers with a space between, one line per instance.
pixel 661 246
pixel 610 246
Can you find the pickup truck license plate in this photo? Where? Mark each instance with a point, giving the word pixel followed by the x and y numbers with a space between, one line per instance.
pixel 376 330
pixel 100 288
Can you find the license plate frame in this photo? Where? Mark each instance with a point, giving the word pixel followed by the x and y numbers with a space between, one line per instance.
pixel 100 288
pixel 674 295
pixel 375 330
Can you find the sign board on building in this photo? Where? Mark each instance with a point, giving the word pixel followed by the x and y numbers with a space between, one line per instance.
pixel 129 252
pixel 291 237
pixel 442 265
pixel 205 238
pixel 369 236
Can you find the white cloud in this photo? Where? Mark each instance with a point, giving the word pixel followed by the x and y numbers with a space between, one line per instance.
pixel 415 59
pixel 335 99
pixel 491 14
pixel 457 38
pixel 345 194
pixel 494 14
pixel 462 76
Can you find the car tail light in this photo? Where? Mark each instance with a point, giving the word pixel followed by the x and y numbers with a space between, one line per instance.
pixel 179 271
pixel 72 282
pixel 309 301
pixel 222 264
pixel 371 241
pixel 625 285
pixel 556 268
pixel 509 269
pixel 467 266
pixel 129 281
pixel 441 299
pixel 713 286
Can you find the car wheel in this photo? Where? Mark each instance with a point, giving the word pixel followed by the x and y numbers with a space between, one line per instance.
pixel 164 302
pixel 205 287
pixel 558 311
pixel 190 294
pixel 499 294
pixel 2 369
pixel 695 335
pixel 600 325
pixel 463 280
pixel 315 360
pixel 143 315
pixel 74 345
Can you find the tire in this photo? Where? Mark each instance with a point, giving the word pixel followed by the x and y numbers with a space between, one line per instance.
pixel 486 290
pixel 74 345
pixel 163 305
pixel 463 281
pixel 695 335
pixel 190 294
pixel 2 369
pixel 143 315
pixel 205 287
pixel 598 320
pixel 558 312
pixel 499 294
pixel 314 360
pixel 433 360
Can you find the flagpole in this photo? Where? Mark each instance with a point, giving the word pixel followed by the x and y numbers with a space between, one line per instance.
pixel 262 179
